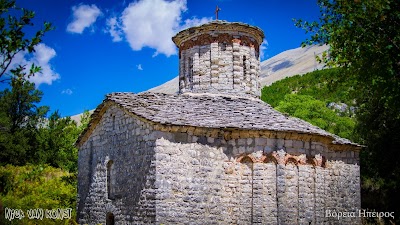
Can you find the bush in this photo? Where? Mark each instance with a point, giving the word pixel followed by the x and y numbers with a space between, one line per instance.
pixel 36 187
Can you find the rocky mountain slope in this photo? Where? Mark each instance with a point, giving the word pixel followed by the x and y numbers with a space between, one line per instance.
pixel 286 64
pixel 290 63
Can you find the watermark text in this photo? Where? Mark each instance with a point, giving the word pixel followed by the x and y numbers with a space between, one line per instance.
pixel 360 213
pixel 38 214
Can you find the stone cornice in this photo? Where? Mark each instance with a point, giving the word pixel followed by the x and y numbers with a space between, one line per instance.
pixel 219 27
pixel 207 39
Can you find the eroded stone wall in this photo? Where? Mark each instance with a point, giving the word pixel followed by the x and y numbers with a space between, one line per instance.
pixel 176 178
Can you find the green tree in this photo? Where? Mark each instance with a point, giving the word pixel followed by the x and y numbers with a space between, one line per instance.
pixel 84 120
pixel 57 141
pixel 364 37
pixel 20 118
pixel 26 136
pixel 320 84
pixel 315 112
pixel 13 40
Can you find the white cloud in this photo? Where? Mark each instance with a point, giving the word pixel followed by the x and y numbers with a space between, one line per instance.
pixel 42 56
pixel 263 48
pixel 113 27
pixel 152 23
pixel 67 91
pixel 83 17
pixel 19 59
pixel 194 22
pixel 139 67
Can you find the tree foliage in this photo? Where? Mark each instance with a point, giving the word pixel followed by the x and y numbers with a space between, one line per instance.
pixel 37 186
pixel 27 136
pixel 30 142
pixel 57 141
pixel 20 118
pixel 314 111
pixel 364 37
pixel 307 97
pixel 320 84
pixel 13 23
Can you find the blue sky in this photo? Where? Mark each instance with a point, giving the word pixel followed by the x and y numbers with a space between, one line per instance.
pixel 99 47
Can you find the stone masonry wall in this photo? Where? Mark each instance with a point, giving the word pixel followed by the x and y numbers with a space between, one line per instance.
pixel 202 180
pixel 161 177
pixel 122 139
pixel 224 67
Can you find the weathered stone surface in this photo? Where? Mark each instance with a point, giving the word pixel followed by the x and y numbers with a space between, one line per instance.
pixel 220 57
pixel 133 160
pixel 212 158
pixel 171 178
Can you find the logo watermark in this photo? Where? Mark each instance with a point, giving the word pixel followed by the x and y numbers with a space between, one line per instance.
pixel 359 213
pixel 38 214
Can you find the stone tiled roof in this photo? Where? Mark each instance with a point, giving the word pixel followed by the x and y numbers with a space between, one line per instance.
pixel 213 111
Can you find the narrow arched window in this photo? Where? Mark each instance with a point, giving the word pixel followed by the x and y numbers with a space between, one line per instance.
pixel 110 219
pixel 244 67
pixel 190 70
pixel 110 179
pixel 223 46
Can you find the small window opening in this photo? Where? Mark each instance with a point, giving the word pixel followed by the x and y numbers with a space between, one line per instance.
pixel 110 219
pixel 244 68
pixel 223 47
pixel 190 70
pixel 110 180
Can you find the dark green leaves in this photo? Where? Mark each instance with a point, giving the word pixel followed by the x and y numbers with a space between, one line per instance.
pixel 307 97
pixel 13 40
pixel 364 37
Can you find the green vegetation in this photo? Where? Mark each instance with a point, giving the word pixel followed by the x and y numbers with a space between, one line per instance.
pixel 314 111
pixel 364 37
pixel 45 144
pixel 37 187
pixel 307 97
pixel 320 84
pixel 13 22
pixel 38 159
pixel 56 141
pixel 27 136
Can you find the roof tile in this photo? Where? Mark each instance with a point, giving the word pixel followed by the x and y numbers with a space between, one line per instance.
pixel 213 111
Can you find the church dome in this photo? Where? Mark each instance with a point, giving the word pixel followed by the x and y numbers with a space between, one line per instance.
pixel 220 58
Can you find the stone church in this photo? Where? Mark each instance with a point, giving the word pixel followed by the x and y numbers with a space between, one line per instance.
pixel 214 153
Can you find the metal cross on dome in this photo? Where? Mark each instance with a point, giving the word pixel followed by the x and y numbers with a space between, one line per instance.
pixel 216 12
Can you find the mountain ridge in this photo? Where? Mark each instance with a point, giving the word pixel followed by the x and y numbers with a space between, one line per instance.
pixel 286 64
